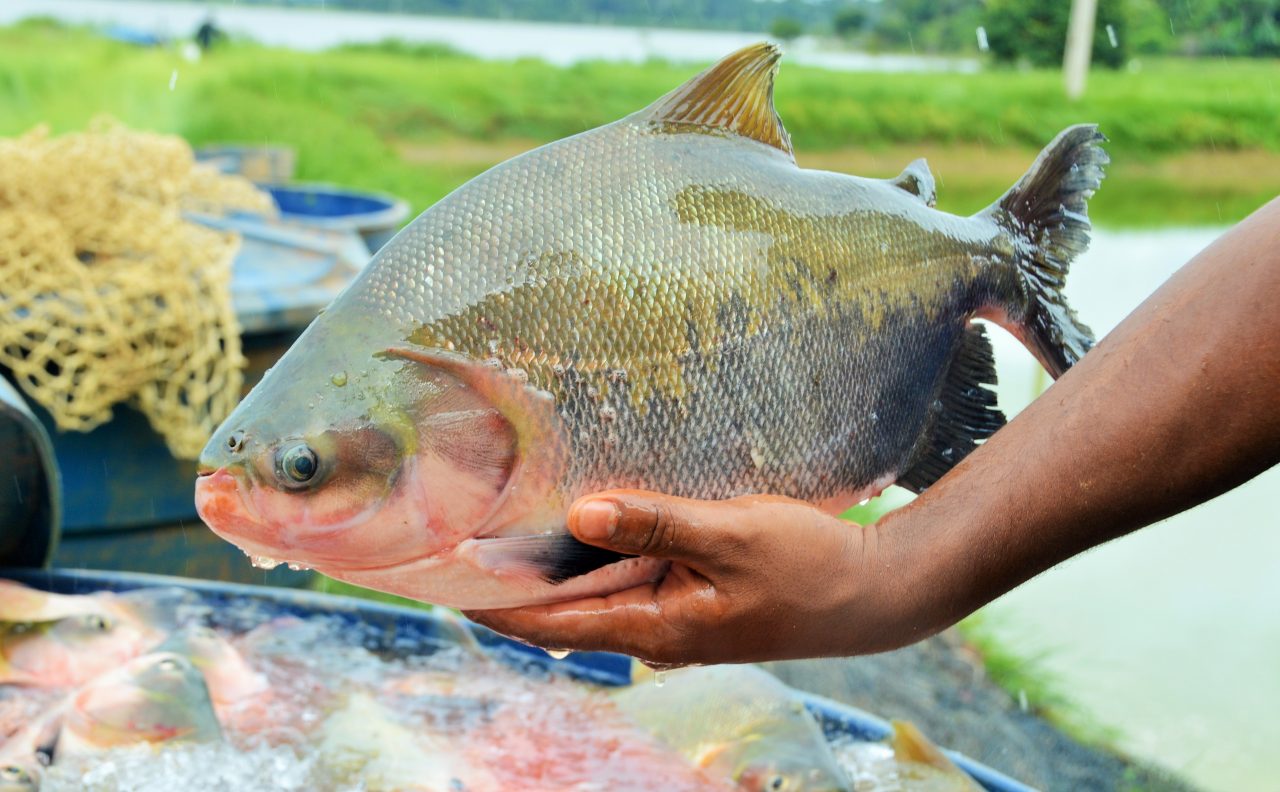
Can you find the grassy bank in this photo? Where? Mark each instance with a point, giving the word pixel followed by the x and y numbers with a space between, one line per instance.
pixel 1192 142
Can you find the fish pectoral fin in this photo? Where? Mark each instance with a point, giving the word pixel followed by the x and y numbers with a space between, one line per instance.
pixel 551 557
pixel 530 410
pixel 917 179
pixel 734 96
pixel 966 414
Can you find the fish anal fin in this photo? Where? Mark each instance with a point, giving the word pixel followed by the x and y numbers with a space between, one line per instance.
pixel 734 96
pixel 918 180
pixel 551 557
pixel 966 413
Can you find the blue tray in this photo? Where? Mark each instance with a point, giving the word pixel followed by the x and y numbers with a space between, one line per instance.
pixel 397 628
pixel 375 216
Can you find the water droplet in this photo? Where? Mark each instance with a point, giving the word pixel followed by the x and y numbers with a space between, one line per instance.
pixel 339 379
pixel 592 393
pixel 263 562
pixel 884 247
pixel 558 654
pixel 659 678
pixel 296 567
pixel 607 413
pixel 864 501
pixel 874 417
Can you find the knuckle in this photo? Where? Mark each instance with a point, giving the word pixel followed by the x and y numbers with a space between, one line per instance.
pixel 659 531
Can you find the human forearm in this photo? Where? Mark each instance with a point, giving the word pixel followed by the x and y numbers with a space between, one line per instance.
pixel 1180 403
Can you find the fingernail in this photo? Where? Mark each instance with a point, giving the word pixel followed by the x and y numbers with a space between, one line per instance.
pixel 596 519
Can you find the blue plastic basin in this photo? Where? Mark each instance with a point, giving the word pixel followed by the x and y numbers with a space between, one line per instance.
pixel 374 216
pixel 395 628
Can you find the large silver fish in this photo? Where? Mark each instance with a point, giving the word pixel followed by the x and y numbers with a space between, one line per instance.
pixel 666 302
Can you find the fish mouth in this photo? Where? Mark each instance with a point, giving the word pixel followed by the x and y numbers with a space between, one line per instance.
pixel 221 504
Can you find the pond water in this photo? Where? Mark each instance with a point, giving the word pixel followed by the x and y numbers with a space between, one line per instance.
pixel 308 29
pixel 1170 635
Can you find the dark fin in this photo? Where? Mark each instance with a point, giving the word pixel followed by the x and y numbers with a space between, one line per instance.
pixel 553 557
pixel 964 413
pixel 735 96
pixel 917 179
pixel 1048 216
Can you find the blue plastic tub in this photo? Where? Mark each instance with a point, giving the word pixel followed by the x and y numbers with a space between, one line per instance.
pixel 374 216
pixel 400 629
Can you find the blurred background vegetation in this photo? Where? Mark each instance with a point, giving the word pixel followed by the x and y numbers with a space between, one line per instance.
pixel 1194 140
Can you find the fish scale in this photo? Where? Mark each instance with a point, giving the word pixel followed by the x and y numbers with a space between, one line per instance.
pixel 668 303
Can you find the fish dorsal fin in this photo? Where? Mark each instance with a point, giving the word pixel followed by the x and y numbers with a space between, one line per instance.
pixel 733 96
pixel 917 179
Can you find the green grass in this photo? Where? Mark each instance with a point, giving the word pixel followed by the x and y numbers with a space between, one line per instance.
pixel 351 113
pixel 327 585
pixel 1024 677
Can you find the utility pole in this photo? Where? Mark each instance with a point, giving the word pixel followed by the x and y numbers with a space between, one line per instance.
pixel 1075 61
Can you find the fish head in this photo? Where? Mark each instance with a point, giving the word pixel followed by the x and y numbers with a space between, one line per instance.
pixel 157 697
pixel 783 773
pixel 780 749
pixel 348 457
pixel 20 776
pixel 228 675
pixel 69 650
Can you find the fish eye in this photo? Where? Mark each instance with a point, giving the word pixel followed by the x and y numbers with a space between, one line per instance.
pixel 169 665
pixel 297 464
pixel 97 622
pixel 776 784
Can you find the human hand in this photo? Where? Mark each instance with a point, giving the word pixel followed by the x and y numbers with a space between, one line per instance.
pixel 753 578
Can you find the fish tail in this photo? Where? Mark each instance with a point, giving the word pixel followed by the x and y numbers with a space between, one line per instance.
pixel 1047 215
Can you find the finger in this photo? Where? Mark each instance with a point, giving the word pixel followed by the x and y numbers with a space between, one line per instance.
pixel 624 622
pixel 658 526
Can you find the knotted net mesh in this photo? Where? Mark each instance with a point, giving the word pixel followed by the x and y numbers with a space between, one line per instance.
pixel 107 294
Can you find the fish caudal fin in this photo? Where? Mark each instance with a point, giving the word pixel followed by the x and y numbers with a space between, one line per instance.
pixel 1047 214
pixel 964 413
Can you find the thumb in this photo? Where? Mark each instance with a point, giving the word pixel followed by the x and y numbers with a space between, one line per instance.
pixel 649 524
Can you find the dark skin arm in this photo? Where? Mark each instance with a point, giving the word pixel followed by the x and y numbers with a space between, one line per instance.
pixel 1179 404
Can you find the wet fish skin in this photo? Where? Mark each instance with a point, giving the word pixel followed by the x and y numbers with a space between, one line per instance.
pixel 66 651
pixel 158 697
pixel 666 303
pixel 740 723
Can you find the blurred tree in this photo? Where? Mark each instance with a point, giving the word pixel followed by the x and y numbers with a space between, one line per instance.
pixel 850 20
pixel 1035 32
pixel 1225 27
pixel 786 29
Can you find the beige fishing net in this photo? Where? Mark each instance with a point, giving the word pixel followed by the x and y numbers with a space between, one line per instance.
pixel 107 294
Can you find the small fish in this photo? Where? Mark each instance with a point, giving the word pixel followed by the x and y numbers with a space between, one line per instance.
pixel 667 302
pixel 740 723
pixel 67 651
pixel 158 697
pixel 153 611
pixel 363 741
pixel 227 674
pixel 25 755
